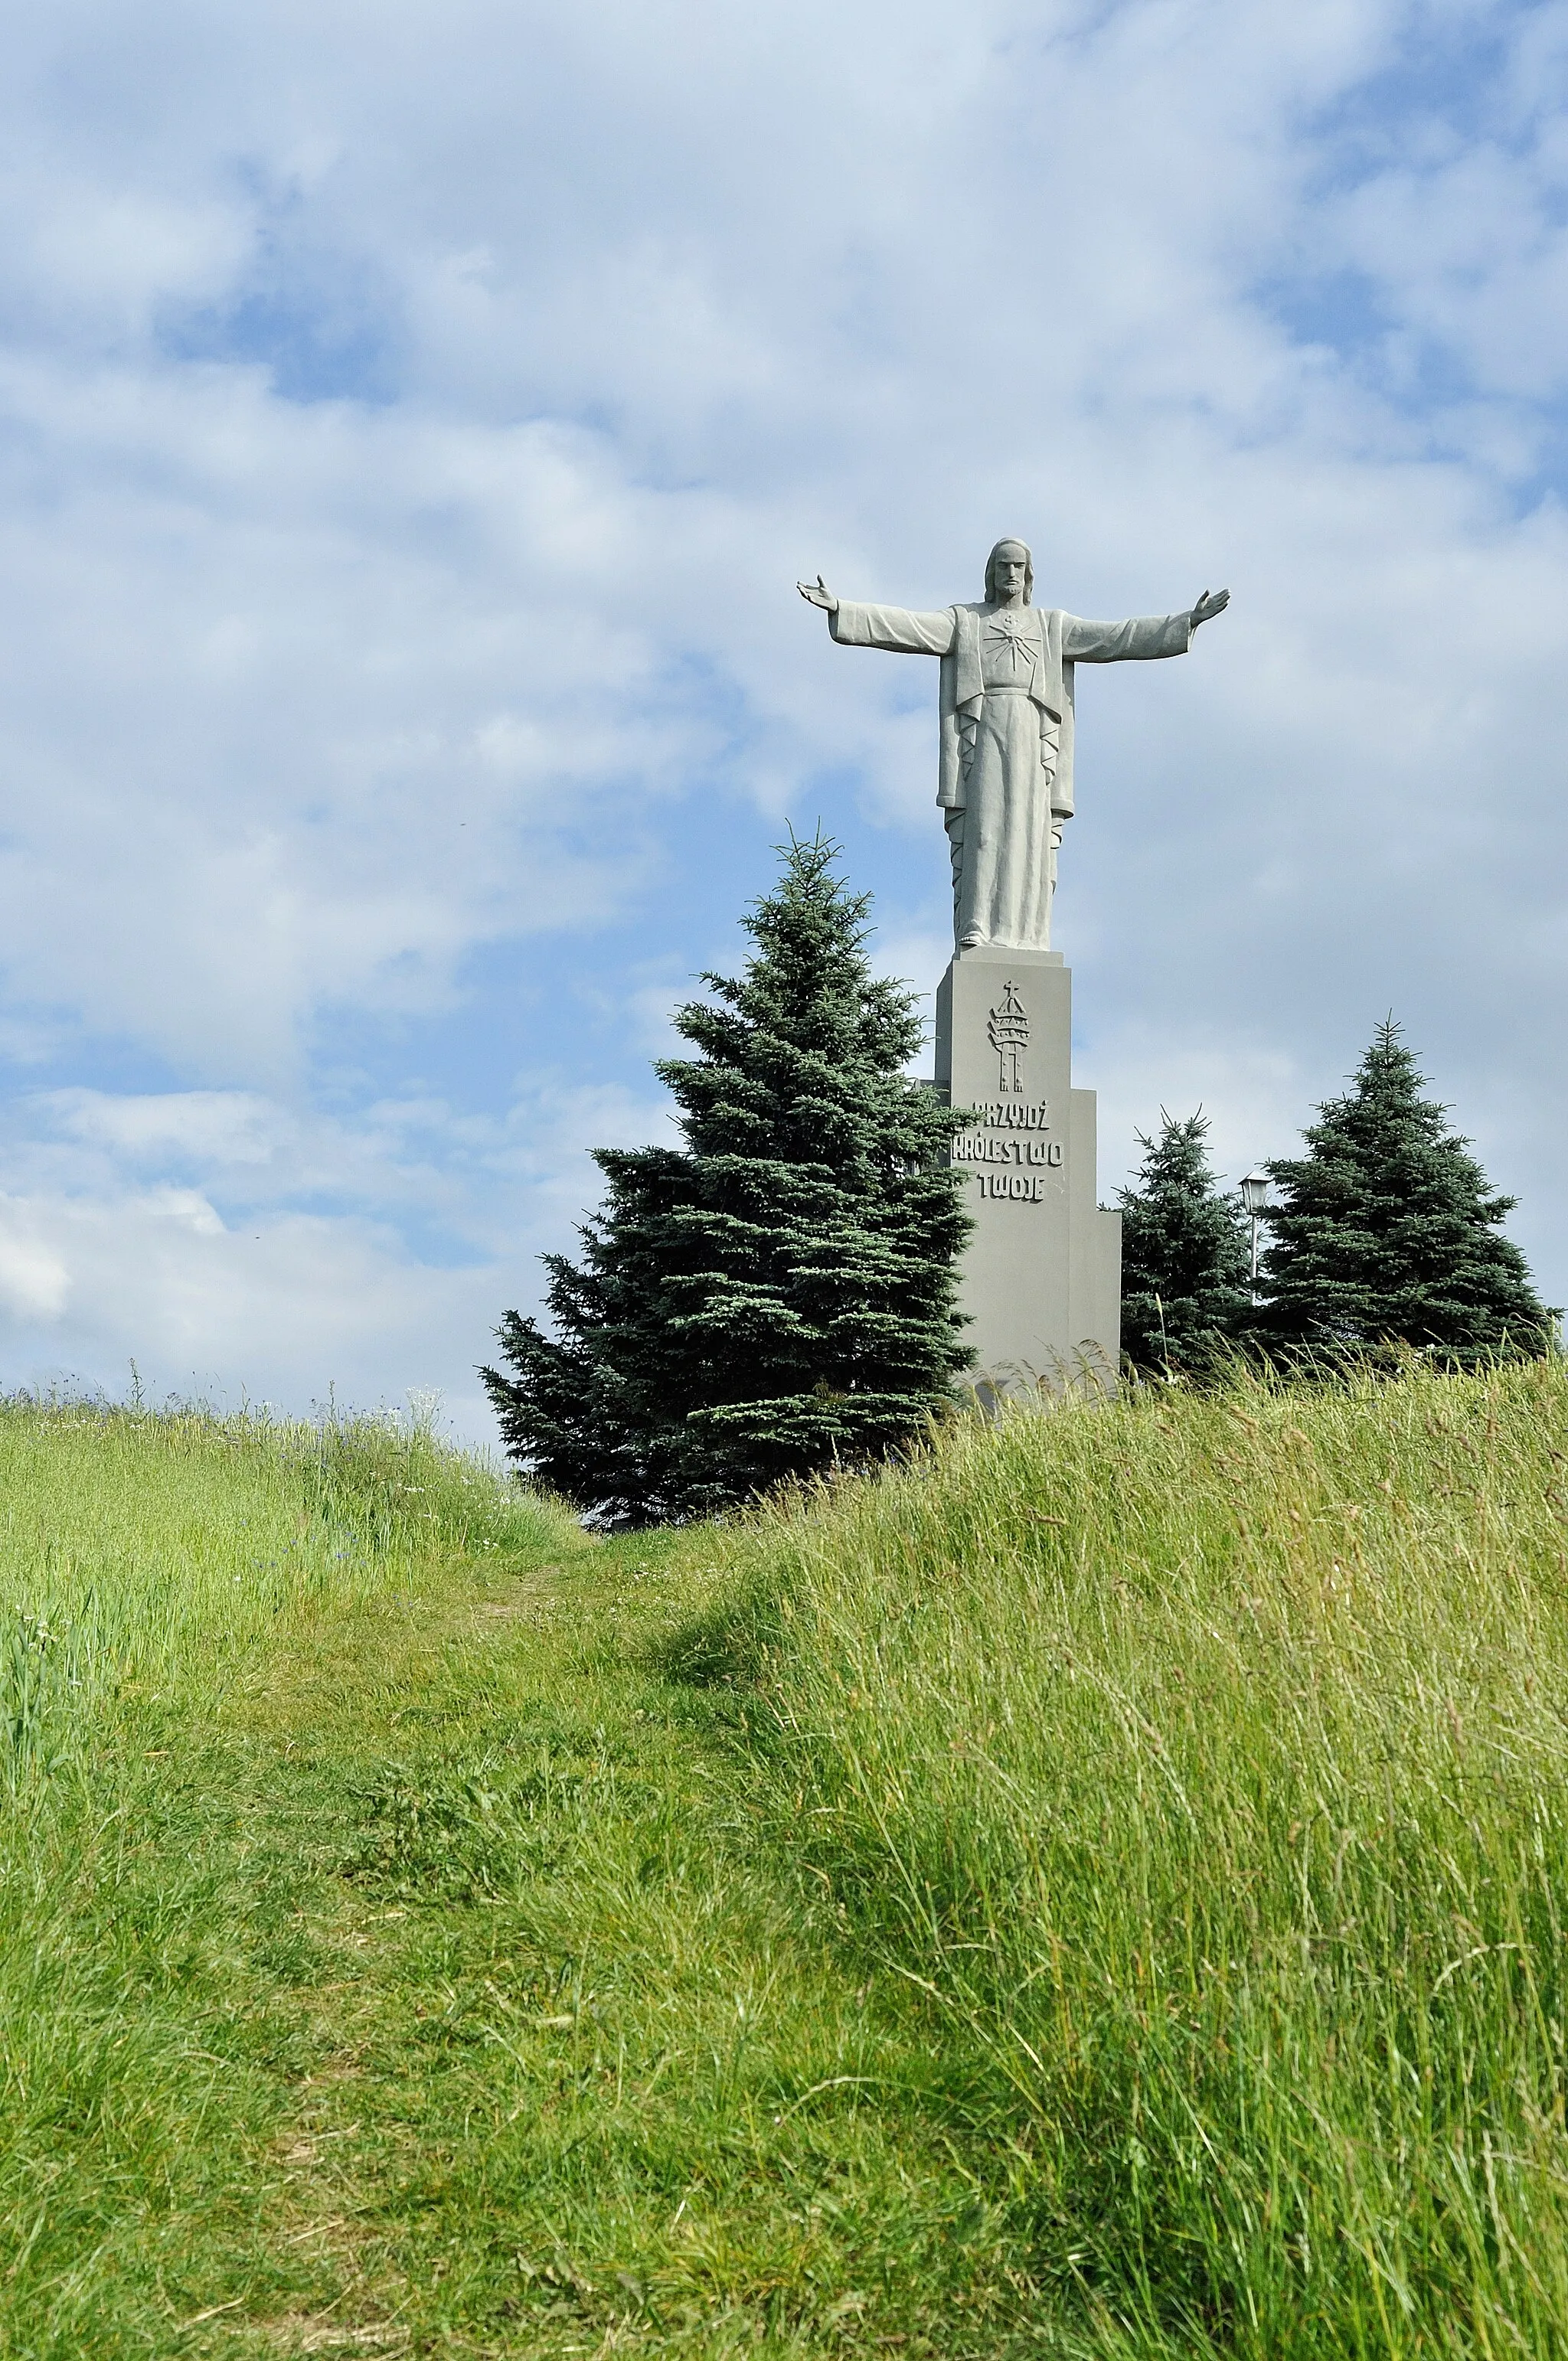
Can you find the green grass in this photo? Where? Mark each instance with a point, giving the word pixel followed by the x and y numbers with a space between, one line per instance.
pixel 1097 1890
pixel 156 1897
pixel 1204 1766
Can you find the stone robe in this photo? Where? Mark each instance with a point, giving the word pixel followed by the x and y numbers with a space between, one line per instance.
pixel 1005 772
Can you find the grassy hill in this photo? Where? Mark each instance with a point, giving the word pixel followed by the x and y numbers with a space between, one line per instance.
pixel 1099 1890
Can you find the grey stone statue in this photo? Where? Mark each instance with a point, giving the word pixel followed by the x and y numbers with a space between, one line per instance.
pixel 1005 780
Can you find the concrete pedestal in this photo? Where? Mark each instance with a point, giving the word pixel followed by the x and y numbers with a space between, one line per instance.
pixel 1042 1274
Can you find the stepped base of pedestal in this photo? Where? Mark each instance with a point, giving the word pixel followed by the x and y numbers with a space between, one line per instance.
pixel 1042 1273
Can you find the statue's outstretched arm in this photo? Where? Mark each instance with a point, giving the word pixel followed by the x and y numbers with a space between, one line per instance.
pixel 902 630
pixel 1141 637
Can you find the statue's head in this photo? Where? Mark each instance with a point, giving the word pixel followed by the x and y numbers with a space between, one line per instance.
pixel 1009 555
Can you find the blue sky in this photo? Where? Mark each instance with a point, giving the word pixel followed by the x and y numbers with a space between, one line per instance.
pixel 413 421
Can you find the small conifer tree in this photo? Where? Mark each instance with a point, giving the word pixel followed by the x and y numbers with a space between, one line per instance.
pixel 1388 1232
pixel 1186 1257
pixel 778 1295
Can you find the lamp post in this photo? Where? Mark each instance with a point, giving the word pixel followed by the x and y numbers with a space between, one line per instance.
pixel 1255 1197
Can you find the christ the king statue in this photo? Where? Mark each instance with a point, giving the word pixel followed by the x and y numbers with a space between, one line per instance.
pixel 1006 781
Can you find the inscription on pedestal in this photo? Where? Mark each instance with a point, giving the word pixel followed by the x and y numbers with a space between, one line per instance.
pixel 985 1147
pixel 1014 1115
pixel 1021 1187
pixel 998 1138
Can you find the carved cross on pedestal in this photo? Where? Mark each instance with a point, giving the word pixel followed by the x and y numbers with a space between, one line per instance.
pixel 1008 1025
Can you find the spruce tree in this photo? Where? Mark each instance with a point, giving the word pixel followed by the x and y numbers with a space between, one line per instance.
pixel 1186 1257
pixel 1388 1232
pixel 778 1295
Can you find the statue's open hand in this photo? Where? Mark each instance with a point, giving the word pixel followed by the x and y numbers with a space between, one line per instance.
pixel 819 595
pixel 1212 602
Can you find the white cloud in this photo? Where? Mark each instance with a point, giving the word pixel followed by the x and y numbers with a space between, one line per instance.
pixel 34 1282
pixel 221 1126
pixel 278 1267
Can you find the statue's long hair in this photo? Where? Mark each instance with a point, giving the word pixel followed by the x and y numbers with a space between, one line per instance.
pixel 1011 541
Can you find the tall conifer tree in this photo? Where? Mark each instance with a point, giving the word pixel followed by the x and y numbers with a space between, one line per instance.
pixel 1388 1232
pixel 778 1294
pixel 1186 1256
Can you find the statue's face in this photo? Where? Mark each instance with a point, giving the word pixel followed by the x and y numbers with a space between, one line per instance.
pixel 1008 573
